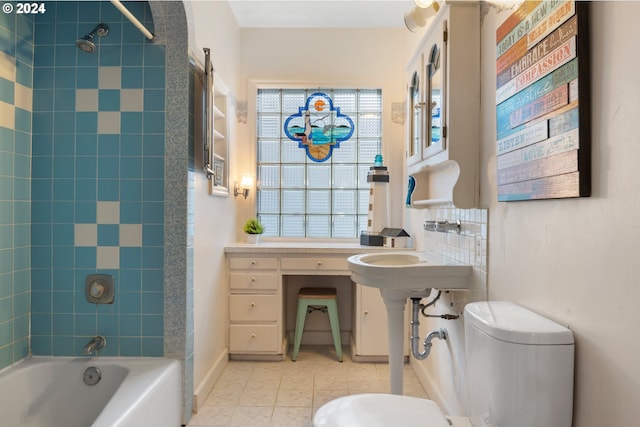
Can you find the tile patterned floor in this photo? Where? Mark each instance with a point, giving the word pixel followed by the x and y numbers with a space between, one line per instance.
pixel 286 393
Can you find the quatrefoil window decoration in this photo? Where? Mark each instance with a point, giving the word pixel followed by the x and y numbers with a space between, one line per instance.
pixel 319 127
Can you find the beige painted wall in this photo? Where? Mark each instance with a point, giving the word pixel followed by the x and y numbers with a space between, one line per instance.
pixel 211 24
pixel 366 58
pixel 344 58
pixel 576 261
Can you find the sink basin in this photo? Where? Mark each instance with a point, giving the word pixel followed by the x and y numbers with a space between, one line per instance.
pixel 408 271
pixel 391 259
pixel 402 275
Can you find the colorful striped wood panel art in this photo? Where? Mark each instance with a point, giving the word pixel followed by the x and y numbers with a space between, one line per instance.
pixel 543 133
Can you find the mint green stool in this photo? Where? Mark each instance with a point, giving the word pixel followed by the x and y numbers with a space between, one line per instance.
pixel 323 299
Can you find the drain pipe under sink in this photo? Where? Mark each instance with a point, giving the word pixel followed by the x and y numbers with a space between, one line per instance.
pixel 415 333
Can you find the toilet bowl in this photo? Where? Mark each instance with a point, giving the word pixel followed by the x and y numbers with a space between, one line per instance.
pixel 383 410
pixel 519 373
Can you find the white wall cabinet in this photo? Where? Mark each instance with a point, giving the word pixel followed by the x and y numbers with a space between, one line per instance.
pixel 447 64
pixel 211 125
pixel 220 139
pixel 415 111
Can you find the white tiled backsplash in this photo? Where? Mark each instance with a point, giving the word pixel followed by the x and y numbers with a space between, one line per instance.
pixel 468 247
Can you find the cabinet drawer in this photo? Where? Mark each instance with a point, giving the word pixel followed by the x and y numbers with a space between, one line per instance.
pixel 248 281
pixel 253 263
pixel 254 308
pixel 253 338
pixel 315 263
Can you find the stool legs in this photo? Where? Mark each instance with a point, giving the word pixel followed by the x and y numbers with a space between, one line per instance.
pixel 300 318
pixel 332 309
pixel 335 329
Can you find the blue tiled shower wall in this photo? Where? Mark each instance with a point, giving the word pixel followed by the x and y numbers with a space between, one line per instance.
pixel 97 181
pixel 16 77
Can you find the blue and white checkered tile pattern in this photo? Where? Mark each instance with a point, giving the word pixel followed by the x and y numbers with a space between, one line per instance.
pixel 16 79
pixel 98 180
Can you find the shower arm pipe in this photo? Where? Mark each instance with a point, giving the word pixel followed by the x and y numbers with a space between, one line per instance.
pixel 134 20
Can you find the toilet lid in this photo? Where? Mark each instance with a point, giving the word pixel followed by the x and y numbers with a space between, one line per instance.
pixel 379 410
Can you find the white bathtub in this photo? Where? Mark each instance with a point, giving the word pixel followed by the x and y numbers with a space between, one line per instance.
pixel 50 392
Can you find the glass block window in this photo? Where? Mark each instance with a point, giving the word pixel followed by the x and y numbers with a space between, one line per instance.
pixel 297 197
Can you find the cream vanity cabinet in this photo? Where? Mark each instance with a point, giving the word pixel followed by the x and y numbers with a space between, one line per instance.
pixel 443 98
pixel 255 305
pixel 258 313
pixel 369 340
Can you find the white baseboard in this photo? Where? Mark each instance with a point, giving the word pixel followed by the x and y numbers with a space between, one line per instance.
pixel 205 387
pixel 430 386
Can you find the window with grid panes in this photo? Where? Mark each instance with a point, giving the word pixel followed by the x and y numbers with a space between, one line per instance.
pixel 298 197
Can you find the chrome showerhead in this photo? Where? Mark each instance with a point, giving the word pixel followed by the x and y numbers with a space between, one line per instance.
pixel 86 43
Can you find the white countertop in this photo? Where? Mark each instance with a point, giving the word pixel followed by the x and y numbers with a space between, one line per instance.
pixel 302 247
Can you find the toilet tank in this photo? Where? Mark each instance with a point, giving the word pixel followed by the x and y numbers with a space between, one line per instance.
pixel 519 367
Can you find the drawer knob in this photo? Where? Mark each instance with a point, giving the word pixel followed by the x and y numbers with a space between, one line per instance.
pixel 366 312
pixel 253 262
pixel 253 304
pixel 253 335
pixel 253 279
pixel 319 263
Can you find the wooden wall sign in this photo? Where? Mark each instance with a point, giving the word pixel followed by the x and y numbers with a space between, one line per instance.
pixel 542 97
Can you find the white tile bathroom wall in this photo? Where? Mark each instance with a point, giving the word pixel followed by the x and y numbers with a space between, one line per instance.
pixel 443 372
pixel 468 247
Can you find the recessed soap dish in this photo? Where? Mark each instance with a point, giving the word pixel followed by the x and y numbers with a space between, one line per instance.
pixel 99 289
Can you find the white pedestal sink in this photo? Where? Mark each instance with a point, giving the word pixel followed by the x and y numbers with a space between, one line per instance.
pixel 402 275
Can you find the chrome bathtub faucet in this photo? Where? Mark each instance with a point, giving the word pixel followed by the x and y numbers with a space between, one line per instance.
pixel 94 345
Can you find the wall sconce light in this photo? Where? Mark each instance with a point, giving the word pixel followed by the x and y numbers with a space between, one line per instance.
pixel 245 185
pixel 417 17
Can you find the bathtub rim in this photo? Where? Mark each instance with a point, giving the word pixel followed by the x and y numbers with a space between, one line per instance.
pixel 131 392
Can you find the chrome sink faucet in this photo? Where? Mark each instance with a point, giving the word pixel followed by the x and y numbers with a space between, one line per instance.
pixel 443 226
pixel 94 345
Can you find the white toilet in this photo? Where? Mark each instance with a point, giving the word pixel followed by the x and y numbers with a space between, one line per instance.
pixel 519 374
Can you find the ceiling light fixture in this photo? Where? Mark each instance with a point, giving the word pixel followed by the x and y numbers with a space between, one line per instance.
pixel 417 17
